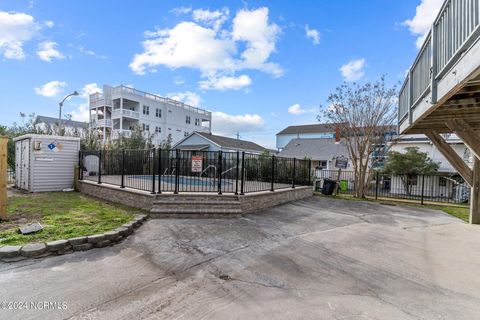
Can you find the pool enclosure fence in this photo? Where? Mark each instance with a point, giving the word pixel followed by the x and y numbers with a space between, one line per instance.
pixel 160 170
pixel 438 187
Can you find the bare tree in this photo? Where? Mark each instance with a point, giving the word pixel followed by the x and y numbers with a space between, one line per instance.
pixel 364 115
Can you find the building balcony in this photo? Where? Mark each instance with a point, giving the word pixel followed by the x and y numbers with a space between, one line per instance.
pixel 100 123
pixel 117 133
pixel 125 113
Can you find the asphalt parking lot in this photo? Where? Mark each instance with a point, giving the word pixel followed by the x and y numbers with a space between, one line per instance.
pixel 312 259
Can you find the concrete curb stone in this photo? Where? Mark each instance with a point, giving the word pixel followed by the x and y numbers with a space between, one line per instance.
pixel 8 252
pixel 33 250
pixel 58 247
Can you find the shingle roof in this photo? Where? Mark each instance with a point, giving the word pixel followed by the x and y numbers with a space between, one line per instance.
pixel 314 148
pixel 226 142
pixel 194 147
pixel 308 128
pixel 65 122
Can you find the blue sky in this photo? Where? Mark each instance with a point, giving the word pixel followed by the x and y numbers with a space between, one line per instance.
pixel 258 65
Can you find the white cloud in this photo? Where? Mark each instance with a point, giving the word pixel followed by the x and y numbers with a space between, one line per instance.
pixel 51 89
pixel 81 114
pixel 226 124
pixel 49 24
pixel 296 109
pixel 188 97
pixel 214 19
pixel 353 70
pixel 178 80
pixel 89 89
pixel 312 34
pixel 204 44
pixel 90 52
pixel 225 83
pixel 186 45
pixel 15 30
pixel 47 51
pixel 260 36
pixel 181 10
pixel 82 111
pixel 425 14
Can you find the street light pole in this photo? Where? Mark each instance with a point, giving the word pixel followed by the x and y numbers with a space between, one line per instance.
pixel 74 93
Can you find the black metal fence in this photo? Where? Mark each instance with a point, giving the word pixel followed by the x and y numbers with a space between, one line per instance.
pixel 10 176
pixel 449 188
pixel 159 170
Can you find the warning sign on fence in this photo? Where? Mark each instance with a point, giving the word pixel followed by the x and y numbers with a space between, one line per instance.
pixel 197 164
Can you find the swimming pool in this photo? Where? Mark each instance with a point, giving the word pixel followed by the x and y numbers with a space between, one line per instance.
pixel 184 180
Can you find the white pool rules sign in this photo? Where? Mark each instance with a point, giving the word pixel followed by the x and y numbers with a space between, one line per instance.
pixel 197 164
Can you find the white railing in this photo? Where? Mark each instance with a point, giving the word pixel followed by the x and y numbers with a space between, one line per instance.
pixel 124 89
pixel 119 113
pixel 455 29
pixel 117 133
pixel 100 123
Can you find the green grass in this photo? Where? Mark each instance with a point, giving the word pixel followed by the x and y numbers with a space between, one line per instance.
pixel 63 215
pixel 459 211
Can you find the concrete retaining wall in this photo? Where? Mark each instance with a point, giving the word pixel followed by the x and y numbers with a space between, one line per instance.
pixel 141 199
pixel 266 199
pixel 125 196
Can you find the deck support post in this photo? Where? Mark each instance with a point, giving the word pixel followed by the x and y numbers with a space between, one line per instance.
pixel 450 154
pixel 3 178
pixel 472 177
pixel 475 194
pixel 463 130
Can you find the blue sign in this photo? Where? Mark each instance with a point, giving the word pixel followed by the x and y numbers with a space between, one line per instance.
pixel 51 146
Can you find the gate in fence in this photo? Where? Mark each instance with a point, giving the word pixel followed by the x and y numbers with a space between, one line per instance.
pixel 160 170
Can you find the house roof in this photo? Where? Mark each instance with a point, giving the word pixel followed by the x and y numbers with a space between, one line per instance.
pixel 308 128
pixel 194 147
pixel 320 128
pixel 225 142
pixel 314 148
pixel 65 122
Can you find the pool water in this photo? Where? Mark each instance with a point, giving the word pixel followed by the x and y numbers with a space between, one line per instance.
pixel 190 181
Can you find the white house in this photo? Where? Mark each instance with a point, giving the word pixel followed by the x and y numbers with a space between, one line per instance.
pixel 307 131
pixel 118 110
pixel 202 141
pixel 322 152
pixel 447 183
pixel 50 125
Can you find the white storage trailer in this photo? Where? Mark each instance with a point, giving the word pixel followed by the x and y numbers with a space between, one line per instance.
pixel 44 162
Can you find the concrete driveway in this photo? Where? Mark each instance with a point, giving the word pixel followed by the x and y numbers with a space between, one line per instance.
pixel 313 259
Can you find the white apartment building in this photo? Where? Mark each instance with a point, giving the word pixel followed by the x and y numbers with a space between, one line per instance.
pixel 116 112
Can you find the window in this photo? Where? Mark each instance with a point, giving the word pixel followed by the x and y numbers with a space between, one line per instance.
pixel 146 110
pixel 185 134
pixel 442 182
pixel 322 165
pixel 187 119
pixel 158 113
pixel 197 121
pixel 158 129
pixel 146 127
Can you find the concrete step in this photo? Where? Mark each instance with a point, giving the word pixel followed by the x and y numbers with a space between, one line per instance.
pixel 195 197
pixel 193 211
pixel 195 202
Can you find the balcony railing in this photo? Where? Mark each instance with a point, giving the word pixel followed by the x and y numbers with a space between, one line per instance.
pixel 117 133
pixel 455 29
pixel 100 123
pixel 119 113
pixel 124 89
